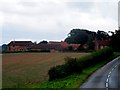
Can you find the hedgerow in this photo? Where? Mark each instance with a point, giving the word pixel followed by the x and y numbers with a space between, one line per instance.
pixel 76 65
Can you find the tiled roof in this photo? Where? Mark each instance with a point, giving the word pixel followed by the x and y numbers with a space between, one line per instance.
pixel 47 46
pixel 65 44
pixel 20 43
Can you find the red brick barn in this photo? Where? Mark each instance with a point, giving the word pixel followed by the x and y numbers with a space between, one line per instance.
pixel 65 45
pixel 99 44
pixel 19 45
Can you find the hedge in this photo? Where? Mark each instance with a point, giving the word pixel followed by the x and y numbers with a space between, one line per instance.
pixel 76 65
pixel 29 51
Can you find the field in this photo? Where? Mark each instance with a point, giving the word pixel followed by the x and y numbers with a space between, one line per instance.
pixel 30 68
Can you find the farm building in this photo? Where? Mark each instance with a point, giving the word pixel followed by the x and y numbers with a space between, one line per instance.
pixel 54 46
pixel 19 45
pixel 65 45
pixel 46 47
pixel 99 44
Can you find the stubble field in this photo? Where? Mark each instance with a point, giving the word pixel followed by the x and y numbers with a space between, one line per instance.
pixel 27 68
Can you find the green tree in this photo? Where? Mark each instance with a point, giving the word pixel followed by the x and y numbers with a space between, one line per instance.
pixel 102 35
pixel 90 42
pixel 115 40
pixel 77 36
pixel 81 36
pixel 43 42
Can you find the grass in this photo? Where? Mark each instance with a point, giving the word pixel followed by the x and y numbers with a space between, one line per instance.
pixel 73 81
pixel 22 69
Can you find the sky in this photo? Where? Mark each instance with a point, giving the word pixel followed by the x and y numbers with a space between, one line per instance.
pixel 52 20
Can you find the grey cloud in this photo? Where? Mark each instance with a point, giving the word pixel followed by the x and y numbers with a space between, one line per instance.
pixel 107 9
pixel 104 9
pixel 18 8
pixel 28 3
pixel 51 20
pixel 13 32
pixel 82 6
pixel 32 8
pixel 119 14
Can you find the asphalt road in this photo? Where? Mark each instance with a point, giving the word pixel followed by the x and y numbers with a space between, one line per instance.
pixel 106 78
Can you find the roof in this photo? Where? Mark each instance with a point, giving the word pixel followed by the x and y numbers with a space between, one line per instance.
pixel 20 43
pixel 55 42
pixel 46 46
pixel 64 44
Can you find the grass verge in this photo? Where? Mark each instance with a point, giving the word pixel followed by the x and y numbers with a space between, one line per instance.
pixel 74 80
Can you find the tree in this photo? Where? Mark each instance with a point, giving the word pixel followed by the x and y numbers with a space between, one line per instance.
pixel 4 48
pixel 115 40
pixel 43 42
pixel 81 36
pixel 90 42
pixel 101 35
pixel 77 36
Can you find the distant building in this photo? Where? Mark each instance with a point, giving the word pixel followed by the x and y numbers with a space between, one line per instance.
pixel 74 46
pixel 39 47
pixel 99 44
pixel 54 46
pixel 85 46
pixel 62 44
pixel 65 45
pixel 19 45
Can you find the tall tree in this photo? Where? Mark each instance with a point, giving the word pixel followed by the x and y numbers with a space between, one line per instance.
pixel 102 35
pixel 77 36
pixel 115 40
pixel 43 42
pixel 91 38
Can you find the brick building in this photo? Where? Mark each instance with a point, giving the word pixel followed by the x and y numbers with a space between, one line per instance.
pixel 19 45
pixel 99 44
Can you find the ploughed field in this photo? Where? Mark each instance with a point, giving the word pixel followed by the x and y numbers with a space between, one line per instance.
pixel 26 68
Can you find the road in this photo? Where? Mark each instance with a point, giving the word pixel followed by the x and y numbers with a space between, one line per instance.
pixel 106 78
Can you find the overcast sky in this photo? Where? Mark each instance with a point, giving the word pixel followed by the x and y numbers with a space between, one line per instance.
pixel 38 20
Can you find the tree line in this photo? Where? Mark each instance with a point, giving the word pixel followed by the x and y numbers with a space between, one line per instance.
pixel 84 36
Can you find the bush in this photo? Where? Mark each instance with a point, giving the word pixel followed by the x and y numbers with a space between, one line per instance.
pixel 64 70
pixel 74 65
pixel 38 51
pixel 71 65
pixel 57 72
pixel 29 51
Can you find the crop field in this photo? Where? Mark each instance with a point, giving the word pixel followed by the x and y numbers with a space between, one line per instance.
pixel 21 69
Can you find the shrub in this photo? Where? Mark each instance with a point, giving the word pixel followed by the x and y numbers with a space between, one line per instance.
pixel 75 65
pixel 38 51
pixel 71 65
pixel 57 72
pixel 64 70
